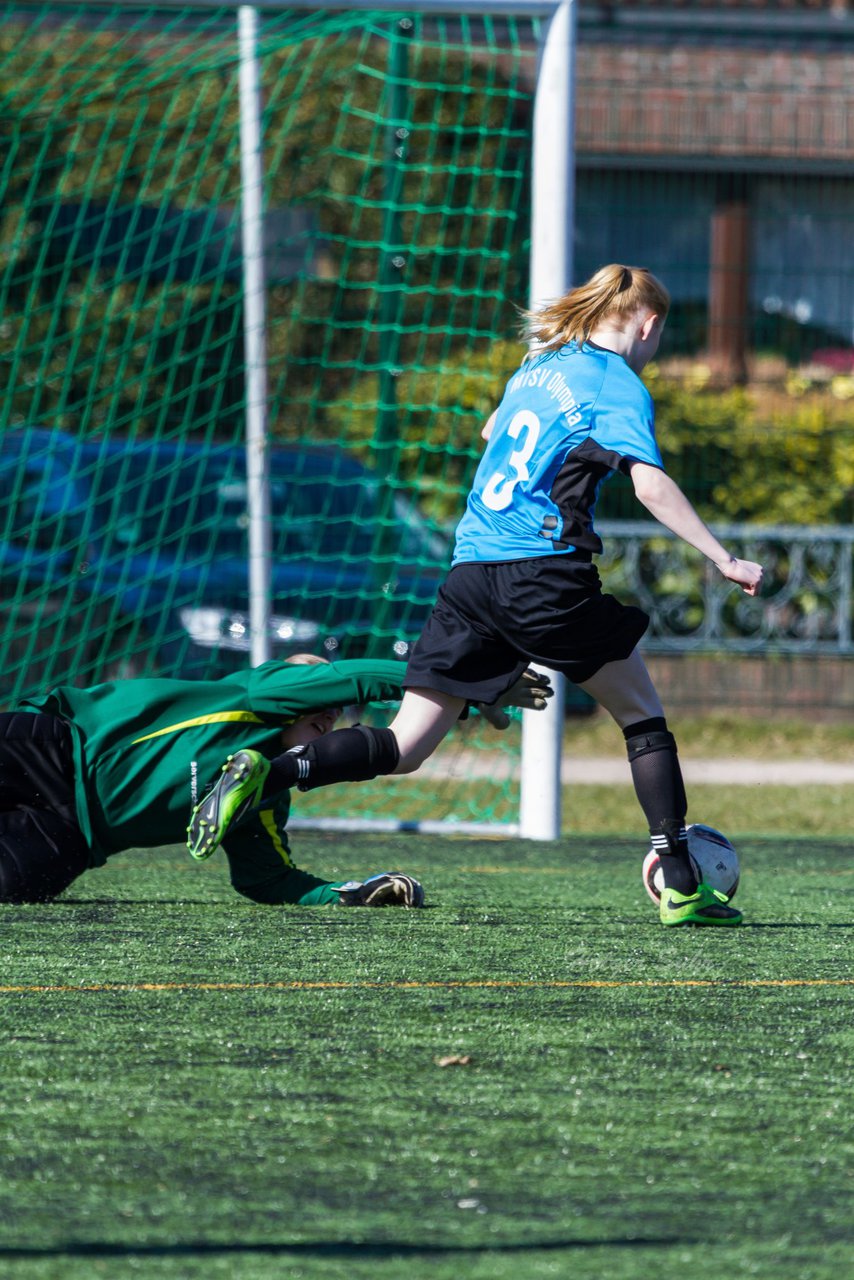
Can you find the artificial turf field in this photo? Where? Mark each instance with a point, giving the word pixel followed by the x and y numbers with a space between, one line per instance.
pixel 193 1086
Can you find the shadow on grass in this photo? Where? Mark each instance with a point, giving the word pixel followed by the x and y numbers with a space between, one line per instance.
pixel 235 901
pixel 56 904
pixel 792 924
pixel 330 1248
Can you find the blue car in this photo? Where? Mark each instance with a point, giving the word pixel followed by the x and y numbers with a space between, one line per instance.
pixel 121 557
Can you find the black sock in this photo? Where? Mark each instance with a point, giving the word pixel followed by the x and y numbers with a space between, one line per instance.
pixel 346 755
pixel 660 791
pixel 670 839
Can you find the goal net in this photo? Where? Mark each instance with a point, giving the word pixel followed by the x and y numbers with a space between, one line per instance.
pixel 396 230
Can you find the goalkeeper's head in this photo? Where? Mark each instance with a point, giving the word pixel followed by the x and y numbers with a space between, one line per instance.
pixel 314 724
pixel 306 660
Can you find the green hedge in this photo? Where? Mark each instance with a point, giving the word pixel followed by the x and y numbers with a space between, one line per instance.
pixel 758 454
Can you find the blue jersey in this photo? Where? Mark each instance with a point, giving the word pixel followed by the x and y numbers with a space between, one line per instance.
pixel 568 420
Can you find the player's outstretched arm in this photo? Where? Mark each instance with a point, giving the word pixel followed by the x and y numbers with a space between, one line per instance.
pixel 262 870
pixel 530 692
pixel 663 498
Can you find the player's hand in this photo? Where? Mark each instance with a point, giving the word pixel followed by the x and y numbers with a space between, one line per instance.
pixel 386 889
pixel 745 573
pixel 531 692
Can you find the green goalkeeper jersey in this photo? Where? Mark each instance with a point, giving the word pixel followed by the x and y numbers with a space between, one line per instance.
pixel 145 752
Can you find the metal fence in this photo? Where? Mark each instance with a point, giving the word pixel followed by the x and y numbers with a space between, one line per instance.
pixel 805 607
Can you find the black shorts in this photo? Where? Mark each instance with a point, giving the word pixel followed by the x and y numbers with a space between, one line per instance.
pixel 42 849
pixel 491 621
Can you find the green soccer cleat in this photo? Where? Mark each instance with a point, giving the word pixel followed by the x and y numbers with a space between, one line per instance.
pixel 705 907
pixel 238 790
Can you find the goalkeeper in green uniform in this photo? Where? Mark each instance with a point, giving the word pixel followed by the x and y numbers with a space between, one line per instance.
pixel 86 773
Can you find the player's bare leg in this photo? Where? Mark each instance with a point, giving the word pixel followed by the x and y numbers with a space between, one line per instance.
pixel 424 720
pixel 625 690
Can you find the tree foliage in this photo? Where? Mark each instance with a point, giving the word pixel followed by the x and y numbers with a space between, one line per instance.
pixel 103 123
pixel 752 454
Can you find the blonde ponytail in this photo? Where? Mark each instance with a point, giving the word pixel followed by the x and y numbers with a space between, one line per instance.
pixel 614 293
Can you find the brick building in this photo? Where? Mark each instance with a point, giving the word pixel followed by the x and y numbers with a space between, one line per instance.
pixel 715 144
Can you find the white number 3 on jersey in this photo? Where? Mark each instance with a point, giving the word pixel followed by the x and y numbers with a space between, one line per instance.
pixel 498 491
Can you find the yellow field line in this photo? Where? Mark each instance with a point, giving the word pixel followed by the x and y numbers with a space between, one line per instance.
pixel 475 985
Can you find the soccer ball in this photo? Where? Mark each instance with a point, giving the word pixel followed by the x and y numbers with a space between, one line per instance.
pixel 714 859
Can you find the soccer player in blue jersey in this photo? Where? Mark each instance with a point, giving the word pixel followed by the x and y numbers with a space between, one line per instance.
pixel 523 587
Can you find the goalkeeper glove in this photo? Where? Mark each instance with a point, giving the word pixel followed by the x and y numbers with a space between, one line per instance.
pixel 386 889
pixel 530 692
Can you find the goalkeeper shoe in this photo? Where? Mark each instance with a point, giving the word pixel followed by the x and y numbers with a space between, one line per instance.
pixel 237 790
pixel 386 889
pixel 707 906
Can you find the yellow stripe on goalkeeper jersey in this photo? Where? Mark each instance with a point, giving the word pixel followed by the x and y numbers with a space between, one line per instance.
pixel 217 717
